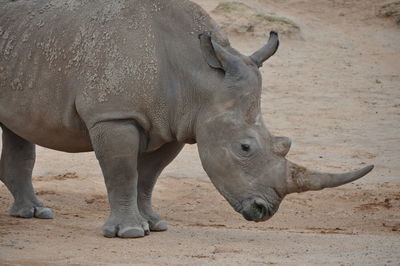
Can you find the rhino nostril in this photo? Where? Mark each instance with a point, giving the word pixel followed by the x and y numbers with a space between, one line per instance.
pixel 259 209
pixel 256 210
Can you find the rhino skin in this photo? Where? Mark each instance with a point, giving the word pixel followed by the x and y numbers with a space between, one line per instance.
pixel 133 81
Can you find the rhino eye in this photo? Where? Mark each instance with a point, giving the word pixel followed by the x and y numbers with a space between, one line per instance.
pixel 245 147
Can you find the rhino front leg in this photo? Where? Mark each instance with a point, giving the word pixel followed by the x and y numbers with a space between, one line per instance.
pixel 16 164
pixel 116 144
pixel 149 168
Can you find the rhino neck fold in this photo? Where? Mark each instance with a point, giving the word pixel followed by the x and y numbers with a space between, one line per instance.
pixel 184 112
pixel 193 98
pixel 183 87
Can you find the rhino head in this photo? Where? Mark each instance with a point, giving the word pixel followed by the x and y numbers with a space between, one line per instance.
pixel 244 161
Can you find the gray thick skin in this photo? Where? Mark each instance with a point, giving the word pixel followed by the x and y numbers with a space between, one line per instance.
pixel 132 81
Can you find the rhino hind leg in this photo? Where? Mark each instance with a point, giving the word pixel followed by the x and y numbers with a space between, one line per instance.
pixel 116 145
pixel 150 166
pixel 16 165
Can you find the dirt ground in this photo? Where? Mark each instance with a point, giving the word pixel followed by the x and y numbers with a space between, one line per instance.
pixel 334 88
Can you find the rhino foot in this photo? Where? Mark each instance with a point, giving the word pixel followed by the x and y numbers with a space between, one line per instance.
pixel 30 211
pixel 156 223
pixel 125 227
pixel 159 226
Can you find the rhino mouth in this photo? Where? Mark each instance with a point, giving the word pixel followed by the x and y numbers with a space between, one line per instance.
pixel 259 209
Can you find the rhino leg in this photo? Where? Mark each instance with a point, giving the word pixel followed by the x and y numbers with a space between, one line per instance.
pixel 150 166
pixel 116 145
pixel 16 164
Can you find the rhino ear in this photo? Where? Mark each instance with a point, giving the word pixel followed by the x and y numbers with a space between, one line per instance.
pixel 267 50
pixel 281 145
pixel 208 51
pixel 217 56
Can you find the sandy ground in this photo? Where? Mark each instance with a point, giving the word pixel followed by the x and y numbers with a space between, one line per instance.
pixel 335 90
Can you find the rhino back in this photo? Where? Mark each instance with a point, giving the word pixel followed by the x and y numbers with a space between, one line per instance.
pixel 66 65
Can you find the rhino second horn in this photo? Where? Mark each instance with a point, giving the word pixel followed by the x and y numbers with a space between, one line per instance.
pixel 267 50
pixel 281 145
pixel 301 179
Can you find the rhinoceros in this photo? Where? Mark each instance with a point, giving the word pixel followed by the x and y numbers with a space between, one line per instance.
pixel 134 81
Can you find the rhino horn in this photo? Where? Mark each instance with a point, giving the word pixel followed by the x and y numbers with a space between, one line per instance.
pixel 267 50
pixel 301 179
